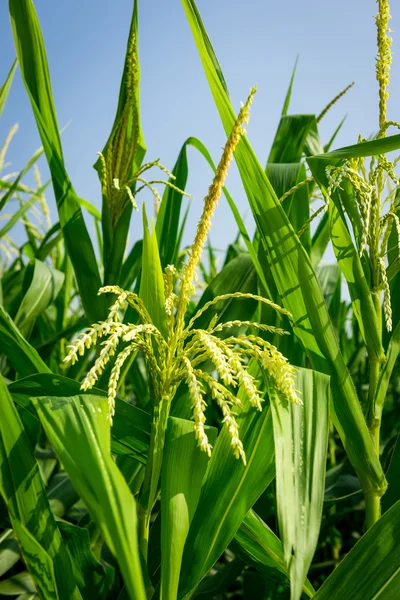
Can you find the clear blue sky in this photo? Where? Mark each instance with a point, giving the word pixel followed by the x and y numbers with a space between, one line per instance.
pixel 256 42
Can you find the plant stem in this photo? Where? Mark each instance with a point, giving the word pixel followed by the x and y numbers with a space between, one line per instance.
pixel 372 499
pixel 152 473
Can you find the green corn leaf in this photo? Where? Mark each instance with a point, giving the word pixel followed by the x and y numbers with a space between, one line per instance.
pixel 40 287
pixel 259 547
pixel 123 153
pixel 77 427
pixel 5 88
pixel 131 426
pixel 283 177
pixel 329 278
pixel 320 241
pixel 23 357
pixel 296 135
pixel 21 583
pixel 23 491
pixel 296 281
pixel 371 569
pixel 131 267
pixel 393 476
pixel 392 355
pixel 350 265
pixel 236 486
pixel 31 55
pixel 301 441
pixel 180 491
pixel 152 282
pixel 9 551
pixel 288 96
pixel 90 575
pixel 14 186
pixel 25 206
pixel 167 225
pixel 40 564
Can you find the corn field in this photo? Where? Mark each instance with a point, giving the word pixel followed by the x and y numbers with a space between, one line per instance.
pixel 174 426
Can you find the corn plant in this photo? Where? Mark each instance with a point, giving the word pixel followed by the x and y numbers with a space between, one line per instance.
pixel 172 428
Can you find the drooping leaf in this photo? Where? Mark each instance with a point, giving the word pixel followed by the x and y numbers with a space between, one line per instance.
pixel 41 286
pixel 131 426
pixel 296 134
pixel 23 357
pixel 78 429
pixel 24 494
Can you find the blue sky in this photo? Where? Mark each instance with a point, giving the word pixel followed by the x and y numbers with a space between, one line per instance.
pixel 256 43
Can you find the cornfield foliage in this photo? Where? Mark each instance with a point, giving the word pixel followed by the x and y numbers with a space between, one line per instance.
pixel 238 439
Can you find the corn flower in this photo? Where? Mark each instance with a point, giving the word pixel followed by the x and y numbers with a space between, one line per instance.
pixel 181 355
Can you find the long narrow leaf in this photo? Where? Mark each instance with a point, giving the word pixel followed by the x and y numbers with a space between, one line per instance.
pixel 371 570
pixel 236 486
pixel 5 88
pixel 78 429
pixel 180 491
pixel 23 491
pixel 296 282
pixel 35 74
pixel 301 441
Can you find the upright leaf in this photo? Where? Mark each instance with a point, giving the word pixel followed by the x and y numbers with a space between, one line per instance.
pixel 152 282
pixel 301 441
pixel 167 225
pixel 236 486
pixel 5 88
pixel 296 282
pixel 122 156
pixel 180 491
pixel 31 55
pixel 288 96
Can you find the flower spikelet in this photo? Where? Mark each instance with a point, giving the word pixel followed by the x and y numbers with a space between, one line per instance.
pixel 387 308
pixel 384 58
pixel 211 201
pixel 199 407
pixel 281 371
pixel 113 381
pixel 217 356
